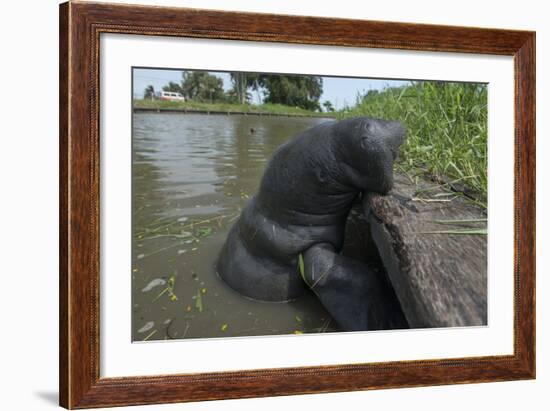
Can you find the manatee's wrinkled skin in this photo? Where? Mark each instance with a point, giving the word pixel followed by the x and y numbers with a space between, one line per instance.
pixel 304 198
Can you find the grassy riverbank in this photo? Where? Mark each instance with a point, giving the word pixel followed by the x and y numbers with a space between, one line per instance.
pixel 446 129
pixel 272 109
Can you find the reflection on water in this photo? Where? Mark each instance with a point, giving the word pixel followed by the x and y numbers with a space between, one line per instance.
pixel 191 176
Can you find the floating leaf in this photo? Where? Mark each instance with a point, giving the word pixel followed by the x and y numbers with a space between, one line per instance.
pixel 198 302
pixel 146 327
pixel 301 267
pixel 298 332
pixel 169 289
pixel 298 319
pixel 204 231
pixel 150 335
pixel 223 327
pixel 203 290
pixel 154 283
pixel 161 294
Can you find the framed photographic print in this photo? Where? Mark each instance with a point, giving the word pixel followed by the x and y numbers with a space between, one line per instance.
pixel 257 205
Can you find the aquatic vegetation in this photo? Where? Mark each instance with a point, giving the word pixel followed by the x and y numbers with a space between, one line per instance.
pixel 169 289
pixel 146 327
pixel 301 267
pixel 204 231
pixel 150 335
pixel 154 283
pixel 178 226
pixel 198 301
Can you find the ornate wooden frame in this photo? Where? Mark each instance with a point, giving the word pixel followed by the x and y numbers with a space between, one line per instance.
pixel 80 27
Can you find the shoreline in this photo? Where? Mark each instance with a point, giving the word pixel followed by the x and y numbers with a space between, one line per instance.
pixel 223 112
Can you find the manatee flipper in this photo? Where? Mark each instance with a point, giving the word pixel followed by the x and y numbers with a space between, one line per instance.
pixel 353 292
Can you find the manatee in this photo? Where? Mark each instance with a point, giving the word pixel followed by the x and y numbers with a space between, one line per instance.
pixel 300 212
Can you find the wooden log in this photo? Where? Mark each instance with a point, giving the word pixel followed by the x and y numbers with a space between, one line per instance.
pixel 384 309
pixel 439 279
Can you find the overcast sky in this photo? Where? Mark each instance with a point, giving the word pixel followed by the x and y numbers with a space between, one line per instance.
pixel 338 90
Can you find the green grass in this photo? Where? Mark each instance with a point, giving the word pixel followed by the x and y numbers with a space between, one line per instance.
pixel 446 129
pixel 276 109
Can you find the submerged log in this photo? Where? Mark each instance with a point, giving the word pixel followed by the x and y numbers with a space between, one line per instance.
pixel 440 280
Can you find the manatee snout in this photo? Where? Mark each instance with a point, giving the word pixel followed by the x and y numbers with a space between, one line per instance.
pixel 372 132
pixel 371 146
pixel 391 132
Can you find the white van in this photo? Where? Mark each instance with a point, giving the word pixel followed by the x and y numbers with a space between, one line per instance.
pixel 171 96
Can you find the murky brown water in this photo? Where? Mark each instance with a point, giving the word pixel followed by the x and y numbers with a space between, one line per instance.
pixel 192 174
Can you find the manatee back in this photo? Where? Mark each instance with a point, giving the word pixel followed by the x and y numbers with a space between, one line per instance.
pixel 294 177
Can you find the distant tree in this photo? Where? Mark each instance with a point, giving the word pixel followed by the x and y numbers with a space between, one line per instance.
pixel 202 86
pixel 191 84
pixel 242 83
pixel 294 91
pixel 172 87
pixel 149 92
pixel 212 89
pixel 328 106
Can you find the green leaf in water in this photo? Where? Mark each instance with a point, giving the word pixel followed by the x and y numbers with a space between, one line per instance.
pixel 161 294
pixel 204 231
pixel 198 301
pixel 223 327
pixel 301 267
pixel 150 335
pixel 169 289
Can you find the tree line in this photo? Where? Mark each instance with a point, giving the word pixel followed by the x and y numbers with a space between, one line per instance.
pixel 290 90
